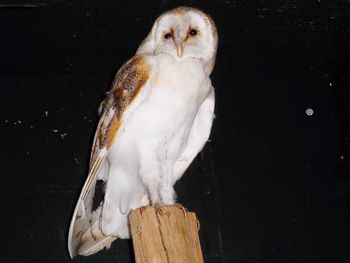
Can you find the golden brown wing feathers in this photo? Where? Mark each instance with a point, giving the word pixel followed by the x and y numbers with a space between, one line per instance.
pixel 127 84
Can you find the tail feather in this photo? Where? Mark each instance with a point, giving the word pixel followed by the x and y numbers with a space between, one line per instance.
pixel 93 240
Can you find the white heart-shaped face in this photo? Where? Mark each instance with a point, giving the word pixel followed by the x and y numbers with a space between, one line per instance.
pixel 183 33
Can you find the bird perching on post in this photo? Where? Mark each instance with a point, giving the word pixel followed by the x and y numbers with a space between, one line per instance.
pixel 155 119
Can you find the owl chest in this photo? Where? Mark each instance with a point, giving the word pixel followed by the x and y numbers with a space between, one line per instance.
pixel 179 86
pixel 178 89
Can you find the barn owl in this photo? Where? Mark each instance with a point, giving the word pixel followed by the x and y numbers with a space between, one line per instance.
pixel 155 119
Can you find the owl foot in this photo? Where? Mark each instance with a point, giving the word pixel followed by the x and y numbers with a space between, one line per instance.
pixel 182 208
pixel 159 211
pixel 168 195
pixel 198 225
pixel 142 210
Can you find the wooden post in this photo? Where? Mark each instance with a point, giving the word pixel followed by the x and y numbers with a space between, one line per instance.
pixel 168 234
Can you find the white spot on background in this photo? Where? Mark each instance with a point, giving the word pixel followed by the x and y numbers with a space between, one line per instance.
pixel 309 112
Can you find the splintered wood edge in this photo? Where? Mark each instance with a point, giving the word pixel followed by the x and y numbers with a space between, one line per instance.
pixel 169 233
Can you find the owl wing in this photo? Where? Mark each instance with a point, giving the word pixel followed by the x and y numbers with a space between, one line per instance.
pixel 128 90
pixel 199 135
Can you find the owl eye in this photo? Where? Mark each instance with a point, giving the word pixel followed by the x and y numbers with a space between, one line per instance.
pixel 193 32
pixel 168 35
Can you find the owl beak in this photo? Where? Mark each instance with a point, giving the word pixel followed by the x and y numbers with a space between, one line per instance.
pixel 179 49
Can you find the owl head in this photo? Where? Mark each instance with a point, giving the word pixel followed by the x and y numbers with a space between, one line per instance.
pixel 183 32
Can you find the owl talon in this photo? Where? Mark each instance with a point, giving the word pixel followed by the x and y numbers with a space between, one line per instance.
pixel 142 210
pixel 159 211
pixel 198 225
pixel 182 208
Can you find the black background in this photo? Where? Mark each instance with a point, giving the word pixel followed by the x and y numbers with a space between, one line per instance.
pixel 272 185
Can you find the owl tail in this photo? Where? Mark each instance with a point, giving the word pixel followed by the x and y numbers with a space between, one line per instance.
pixel 93 240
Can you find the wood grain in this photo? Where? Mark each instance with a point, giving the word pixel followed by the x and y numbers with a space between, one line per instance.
pixel 168 234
